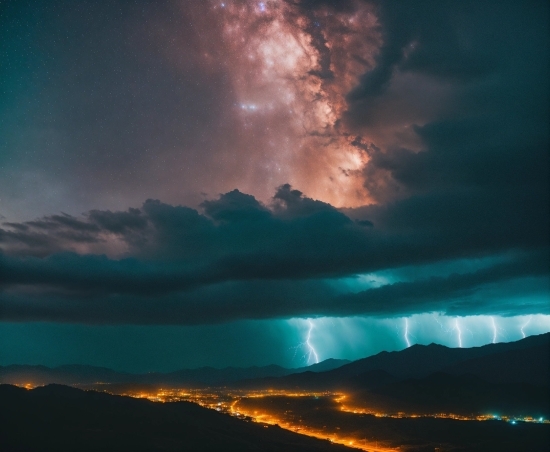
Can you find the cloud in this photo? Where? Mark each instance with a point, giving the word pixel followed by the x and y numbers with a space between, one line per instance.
pixel 431 118
pixel 240 258
pixel 457 294
pixel 456 101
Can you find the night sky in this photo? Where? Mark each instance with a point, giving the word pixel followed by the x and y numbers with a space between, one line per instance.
pixel 188 183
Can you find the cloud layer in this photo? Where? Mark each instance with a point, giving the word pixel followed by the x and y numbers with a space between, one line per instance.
pixel 242 259
pixel 418 133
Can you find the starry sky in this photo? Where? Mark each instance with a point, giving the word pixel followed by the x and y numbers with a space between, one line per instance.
pixel 190 183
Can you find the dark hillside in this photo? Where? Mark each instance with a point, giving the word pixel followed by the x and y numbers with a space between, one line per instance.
pixel 59 418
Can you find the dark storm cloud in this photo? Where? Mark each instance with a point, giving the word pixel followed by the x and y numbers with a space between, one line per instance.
pixel 461 42
pixel 457 294
pixel 491 134
pixel 239 238
pixel 454 294
pixel 241 259
pixel 118 222
pixel 453 117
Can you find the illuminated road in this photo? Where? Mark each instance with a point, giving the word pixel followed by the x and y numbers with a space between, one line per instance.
pixel 315 414
pixel 254 406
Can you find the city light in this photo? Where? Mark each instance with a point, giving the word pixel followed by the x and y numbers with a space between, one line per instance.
pixel 241 405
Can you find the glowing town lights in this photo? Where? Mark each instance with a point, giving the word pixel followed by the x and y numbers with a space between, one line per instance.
pixel 312 351
pixel 522 329
pixel 494 330
pixel 406 335
pixel 238 404
pixel 459 333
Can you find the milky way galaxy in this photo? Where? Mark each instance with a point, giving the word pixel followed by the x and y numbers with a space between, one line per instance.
pixel 289 70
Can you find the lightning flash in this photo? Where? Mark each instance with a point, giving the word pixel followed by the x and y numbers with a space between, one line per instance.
pixel 406 335
pixel 525 326
pixel 312 351
pixel 311 356
pixel 459 333
pixel 494 330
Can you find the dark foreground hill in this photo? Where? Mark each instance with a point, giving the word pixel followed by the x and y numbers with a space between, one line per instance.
pixel 59 418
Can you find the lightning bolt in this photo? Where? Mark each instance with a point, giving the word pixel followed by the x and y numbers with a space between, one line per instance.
pixel 312 351
pixel 459 332
pixel 406 335
pixel 440 324
pixel 525 326
pixel 311 354
pixel 494 330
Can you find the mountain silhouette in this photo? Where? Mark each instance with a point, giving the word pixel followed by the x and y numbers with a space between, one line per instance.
pixel 80 375
pixel 526 360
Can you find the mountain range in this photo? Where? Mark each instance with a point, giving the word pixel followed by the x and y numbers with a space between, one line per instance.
pixel 509 378
pixel 506 378
pixel 81 375
pixel 523 361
